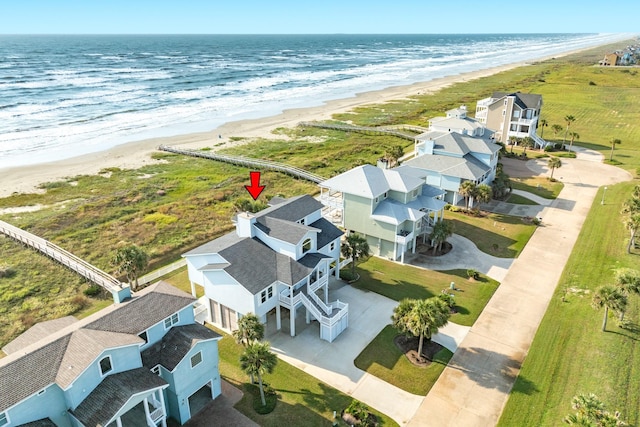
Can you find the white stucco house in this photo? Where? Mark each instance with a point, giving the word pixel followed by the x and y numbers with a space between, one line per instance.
pixel 277 259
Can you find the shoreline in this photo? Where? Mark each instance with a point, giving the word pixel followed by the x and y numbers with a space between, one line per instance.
pixel 133 155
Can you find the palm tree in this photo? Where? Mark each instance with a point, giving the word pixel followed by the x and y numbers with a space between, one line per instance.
pixel 512 141
pixel 258 360
pixel 400 314
pixel 130 261
pixel 553 163
pixel 543 124
pixel 527 142
pixel 556 129
pixel 568 119
pixel 484 193
pixel 442 230
pixel 355 247
pixel 628 280
pixel 573 136
pixel 632 223
pixel 467 190
pixel 591 413
pixel 609 297
pixel 393 154
pixel 250 329
pixel 613 143
pixel 426 317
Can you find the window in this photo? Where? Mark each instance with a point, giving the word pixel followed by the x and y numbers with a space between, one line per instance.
pixel 41 392
pixel 156 369
pixel 4 420
pixel 266 294
pixel 332 246
pixel 505 102
pixel 196 359
pixel 302 221
pixel 105 365
pixel 306 246
pixel 144 336
pixel 171 320
pixel 516 114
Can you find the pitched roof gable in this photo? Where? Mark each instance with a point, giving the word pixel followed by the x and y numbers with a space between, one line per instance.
pixel 286 231
pixel 37 332
pixel 523 100
pixel 150 306
pixel 370 181
pixel 175 345
pixel 292 209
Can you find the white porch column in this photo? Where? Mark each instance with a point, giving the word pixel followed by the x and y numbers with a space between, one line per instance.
pixel 118 422
pixel 278 318
pixel 164 409
pixel 193 288
pixel 326 292
pixel 146 410
pixel 403 250
pixel 307 316
pixel 415 237
pixel 292 320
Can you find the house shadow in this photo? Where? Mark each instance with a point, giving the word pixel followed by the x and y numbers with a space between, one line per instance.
pixel 491 370
pixel 564 204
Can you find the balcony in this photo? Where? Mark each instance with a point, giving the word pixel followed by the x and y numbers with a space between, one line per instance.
pixel 404 237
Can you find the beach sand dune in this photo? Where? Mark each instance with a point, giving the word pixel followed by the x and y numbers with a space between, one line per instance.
pixel 26 179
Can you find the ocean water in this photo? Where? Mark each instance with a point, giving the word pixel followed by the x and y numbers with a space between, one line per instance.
pixel 62 96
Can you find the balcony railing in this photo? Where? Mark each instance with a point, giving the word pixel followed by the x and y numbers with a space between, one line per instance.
pixel 404 237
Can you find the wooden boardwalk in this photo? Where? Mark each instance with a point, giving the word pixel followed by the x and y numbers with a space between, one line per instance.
pixel 397 131
pixel 248 162
pixel 118 289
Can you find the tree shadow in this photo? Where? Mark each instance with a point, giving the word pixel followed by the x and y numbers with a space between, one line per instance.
pixel 491 370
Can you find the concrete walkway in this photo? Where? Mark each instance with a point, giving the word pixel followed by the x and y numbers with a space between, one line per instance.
pixel 333 362
pixel 464 254
pixel 513 209
pixel 474 388
pixel 533 197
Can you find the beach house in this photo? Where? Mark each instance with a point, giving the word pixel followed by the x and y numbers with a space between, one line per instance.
pixel 511 115
pixel 456 120
pixel 447 159
pixel 391 208
pixel 277 259
pixel 135 363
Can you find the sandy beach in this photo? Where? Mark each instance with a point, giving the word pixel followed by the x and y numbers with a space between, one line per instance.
pixel 133 155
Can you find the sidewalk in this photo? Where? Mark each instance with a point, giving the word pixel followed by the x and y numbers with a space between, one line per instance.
pixel 474 388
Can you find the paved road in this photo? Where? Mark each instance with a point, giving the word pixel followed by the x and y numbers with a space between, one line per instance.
pixel 474 388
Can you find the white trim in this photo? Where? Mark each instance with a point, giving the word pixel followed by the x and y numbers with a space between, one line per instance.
pixel 6 418
pixel 156 369
pixel 170 318
pixel 146 392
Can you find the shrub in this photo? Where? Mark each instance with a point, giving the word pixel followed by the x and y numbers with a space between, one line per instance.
pixel 448 205
pixel 347 276
pixel 7 271
pixel 549 148
pixel 473 274
pixel 592 83
pixel 92 290
pixel 358 409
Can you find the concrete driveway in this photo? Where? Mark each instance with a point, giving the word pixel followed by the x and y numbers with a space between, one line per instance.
pixel 475 386
pixel 332 362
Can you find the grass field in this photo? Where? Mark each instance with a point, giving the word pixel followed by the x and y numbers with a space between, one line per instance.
pixel 499 235
pixel 302 399
pixel 539 185
pixel 570 354
pixel 383 359
pixel 397 281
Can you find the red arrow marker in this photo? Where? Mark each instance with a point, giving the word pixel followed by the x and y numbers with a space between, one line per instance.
pixel 255 188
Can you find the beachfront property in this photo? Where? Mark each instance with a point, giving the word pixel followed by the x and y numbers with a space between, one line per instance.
pixel 511 115
pixel 279 258
pixel 135 363
pixel 447 159
pixel 456 120
pixel 389 207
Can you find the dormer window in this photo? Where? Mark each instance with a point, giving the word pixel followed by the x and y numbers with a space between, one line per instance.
pixel 171 320
pixel 105 365
pixel 306 246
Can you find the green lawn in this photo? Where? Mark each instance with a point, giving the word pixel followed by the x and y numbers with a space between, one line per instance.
pixel 503 236
pixel 383 359
pixel 303 400
pixel 570 354
pixel 539 185
pixel 399 281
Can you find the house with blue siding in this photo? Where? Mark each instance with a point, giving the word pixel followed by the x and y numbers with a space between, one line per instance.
pixel 134 363
pixel 277 259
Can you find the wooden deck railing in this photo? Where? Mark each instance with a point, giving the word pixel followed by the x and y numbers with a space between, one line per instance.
pixel 248 162
pixel 65 258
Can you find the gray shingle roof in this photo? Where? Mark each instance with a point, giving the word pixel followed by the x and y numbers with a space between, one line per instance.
pixel 30 374
pixel 523 100
pixel 148 307
pixel 467 167
pixel 169 351
pixel 287 231
pixel 113 392
pixel 45 422
pixel 328 232
pixel 292 209
pixel 37 332
pixel 393 212
pixel 459 144
pixel 371 181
